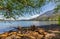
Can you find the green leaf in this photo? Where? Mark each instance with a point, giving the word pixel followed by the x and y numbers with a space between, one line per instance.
pixel 18 5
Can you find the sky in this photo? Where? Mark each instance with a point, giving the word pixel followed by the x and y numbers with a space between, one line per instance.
pixel 48 7
pixel 37 12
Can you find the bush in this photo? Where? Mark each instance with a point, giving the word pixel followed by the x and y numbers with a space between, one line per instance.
pixel 59 20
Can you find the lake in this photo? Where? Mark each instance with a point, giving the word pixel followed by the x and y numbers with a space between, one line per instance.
pixel 7 25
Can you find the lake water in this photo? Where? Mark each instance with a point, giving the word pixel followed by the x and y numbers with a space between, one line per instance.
pixel 7 25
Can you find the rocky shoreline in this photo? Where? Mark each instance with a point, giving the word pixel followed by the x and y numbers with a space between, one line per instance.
pixel 33 32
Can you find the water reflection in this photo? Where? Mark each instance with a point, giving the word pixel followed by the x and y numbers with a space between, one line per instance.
pixel 25 23
pixel 7 25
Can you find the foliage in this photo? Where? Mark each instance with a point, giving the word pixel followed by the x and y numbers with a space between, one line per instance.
pixel 59 20
pixel 57 9
pixel 16 7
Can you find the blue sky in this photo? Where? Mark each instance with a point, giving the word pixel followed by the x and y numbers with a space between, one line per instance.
pixel 37 12
pixel 40 11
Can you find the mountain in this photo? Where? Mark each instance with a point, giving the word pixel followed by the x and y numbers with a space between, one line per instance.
pixel 50 15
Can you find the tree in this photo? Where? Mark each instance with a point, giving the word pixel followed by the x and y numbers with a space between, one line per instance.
pixel 12 8
pixel 57 9
pixel 16 7
pixel 59 21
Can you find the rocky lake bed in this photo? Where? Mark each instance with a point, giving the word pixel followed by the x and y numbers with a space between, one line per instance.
pixel 33 32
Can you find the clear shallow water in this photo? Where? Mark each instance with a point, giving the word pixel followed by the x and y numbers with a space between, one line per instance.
pixel 7 25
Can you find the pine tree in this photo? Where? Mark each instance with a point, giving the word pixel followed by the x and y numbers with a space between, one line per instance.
pixel 11 6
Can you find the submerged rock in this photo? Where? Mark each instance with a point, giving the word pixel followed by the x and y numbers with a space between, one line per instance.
pixel 30 33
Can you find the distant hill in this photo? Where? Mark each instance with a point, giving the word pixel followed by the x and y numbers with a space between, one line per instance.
pixel 50 15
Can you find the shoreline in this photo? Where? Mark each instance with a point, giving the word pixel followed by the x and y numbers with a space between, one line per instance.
pixel 46 26
pixel 33 32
